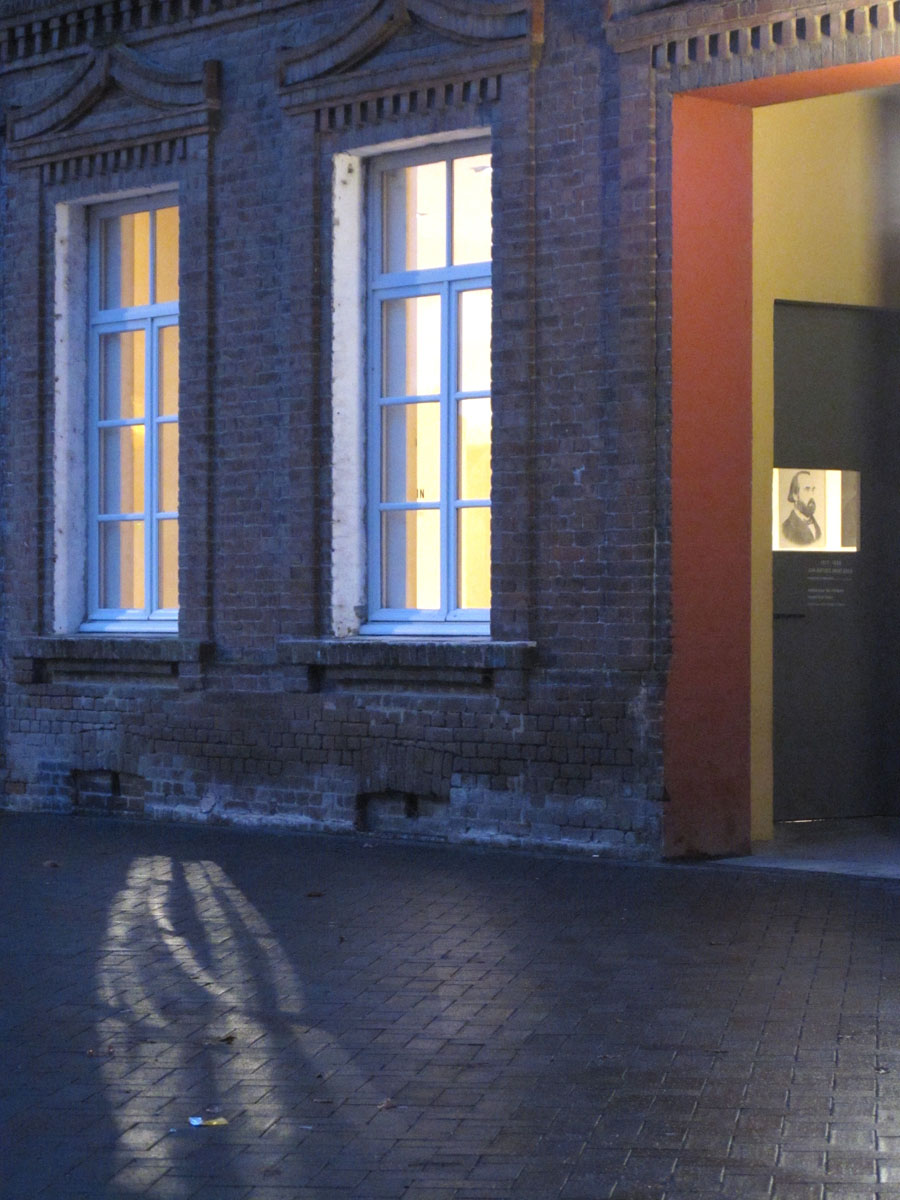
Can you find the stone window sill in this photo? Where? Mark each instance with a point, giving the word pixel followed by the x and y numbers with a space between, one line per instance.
pixel 471 662
pixel 84 657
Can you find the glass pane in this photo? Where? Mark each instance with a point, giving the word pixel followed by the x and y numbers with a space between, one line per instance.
pixel 122 564
pixel 411 559
pixel 411 346
pixel 122 375
pixel 411 452
pixel 168 370
pixel 472 209
pixel 415 217
pixel 166 274
pixel 475 341
pixel 122 469
pixel 168 564
pixel 473 558
pixel 125 269
pixel 473 424
pixel 168 467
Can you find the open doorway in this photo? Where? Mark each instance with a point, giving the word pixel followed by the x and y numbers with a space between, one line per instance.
pixel 783 202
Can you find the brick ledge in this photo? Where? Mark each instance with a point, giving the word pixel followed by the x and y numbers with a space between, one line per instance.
pixel 126 648
pixel 477 654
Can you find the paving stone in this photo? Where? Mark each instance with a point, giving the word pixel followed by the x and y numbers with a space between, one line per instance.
pixel 491 1027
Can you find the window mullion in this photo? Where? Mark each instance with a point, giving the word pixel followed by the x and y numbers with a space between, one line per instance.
pixel 373 440
pixel 93 469
pixel 151 505
pixel 448 569
pixel 448 484
pixel 151 599
pixel 93 417
pixel 375 371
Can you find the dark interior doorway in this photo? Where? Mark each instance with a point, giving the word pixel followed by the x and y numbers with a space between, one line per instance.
pixel 836 682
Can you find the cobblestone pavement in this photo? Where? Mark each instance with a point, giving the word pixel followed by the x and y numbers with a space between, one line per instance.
pixel 383 1020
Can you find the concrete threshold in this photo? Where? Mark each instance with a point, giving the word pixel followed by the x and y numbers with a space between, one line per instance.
pixel 865 847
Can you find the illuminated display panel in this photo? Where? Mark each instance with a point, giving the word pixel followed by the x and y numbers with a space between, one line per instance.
pixel 816 509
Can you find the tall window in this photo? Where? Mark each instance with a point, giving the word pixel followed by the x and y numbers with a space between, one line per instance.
pixel 133 417
pixel 429 425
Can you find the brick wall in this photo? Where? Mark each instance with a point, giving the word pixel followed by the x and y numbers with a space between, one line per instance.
pixel 549 734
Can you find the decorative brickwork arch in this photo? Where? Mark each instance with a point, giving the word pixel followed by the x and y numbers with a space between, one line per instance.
pixel 186 100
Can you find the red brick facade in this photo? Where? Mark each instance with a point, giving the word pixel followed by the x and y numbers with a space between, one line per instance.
pixel 548 732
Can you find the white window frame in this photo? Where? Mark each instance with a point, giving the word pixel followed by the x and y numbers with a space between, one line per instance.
pixel 448 281
pixel 150 318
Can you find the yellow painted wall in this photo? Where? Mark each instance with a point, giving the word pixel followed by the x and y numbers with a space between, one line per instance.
pixel 821 204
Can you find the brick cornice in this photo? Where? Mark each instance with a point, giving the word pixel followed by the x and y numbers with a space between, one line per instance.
pixel 628 30
pixel 702 32
pixel 55 32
